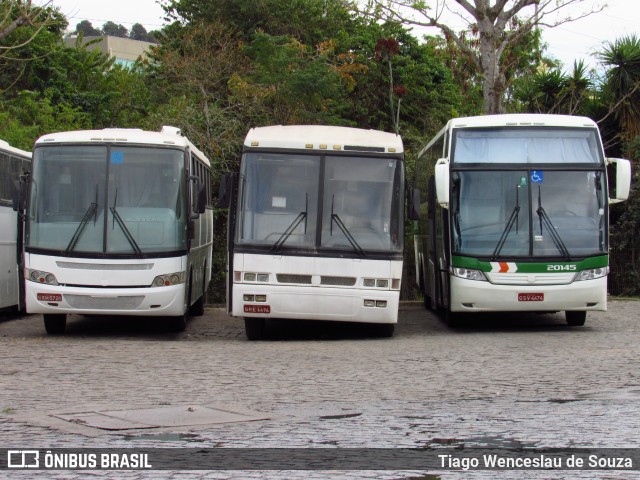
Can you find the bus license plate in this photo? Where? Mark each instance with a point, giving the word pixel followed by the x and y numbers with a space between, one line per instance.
pixel 50 297
pixel 257 309
pixel 531 297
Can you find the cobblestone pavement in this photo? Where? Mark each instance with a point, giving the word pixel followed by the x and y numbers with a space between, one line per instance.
pixel 505 380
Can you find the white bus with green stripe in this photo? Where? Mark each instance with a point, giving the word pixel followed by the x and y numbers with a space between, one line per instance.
pixel 512 215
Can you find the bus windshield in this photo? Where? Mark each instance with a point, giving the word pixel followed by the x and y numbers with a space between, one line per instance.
pixel 93 199
pixel 528 213
pixel 344 203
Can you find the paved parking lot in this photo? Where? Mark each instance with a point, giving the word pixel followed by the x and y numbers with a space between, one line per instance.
pixel 500 381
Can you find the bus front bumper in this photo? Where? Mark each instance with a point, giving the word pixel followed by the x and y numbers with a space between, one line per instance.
pixel 477 296
pixel 160 301
pixel 316 303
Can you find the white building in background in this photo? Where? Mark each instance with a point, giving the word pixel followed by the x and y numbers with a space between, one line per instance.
pixel 125 51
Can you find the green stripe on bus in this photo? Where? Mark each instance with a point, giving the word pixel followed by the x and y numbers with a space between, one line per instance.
pixel 534 267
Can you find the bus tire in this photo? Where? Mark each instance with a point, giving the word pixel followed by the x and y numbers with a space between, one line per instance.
pixel 385 330
pixel 575 318
pixel 178 323
pixel 55 323
pixel 255 328
pixel 197 309
pixel 453 319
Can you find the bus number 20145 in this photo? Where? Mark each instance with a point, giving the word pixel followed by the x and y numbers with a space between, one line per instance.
pixel 561 268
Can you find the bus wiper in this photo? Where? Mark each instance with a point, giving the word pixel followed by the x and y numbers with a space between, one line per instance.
pixel 117 218
pixel 296 221
pixel 345 230
pixel 544 220
pixel 507 229
pixel 90 212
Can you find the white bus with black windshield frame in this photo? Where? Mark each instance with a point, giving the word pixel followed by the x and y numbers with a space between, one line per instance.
pixel 14 163
pixel 119 222
pixel 513 215
pixel 316 228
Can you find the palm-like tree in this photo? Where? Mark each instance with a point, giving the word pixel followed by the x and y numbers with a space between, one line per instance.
pixel 623 82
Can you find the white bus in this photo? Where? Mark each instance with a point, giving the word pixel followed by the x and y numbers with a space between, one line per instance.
pixel 316 229
pixel 119 222
pixel 13 163
pixel 514 215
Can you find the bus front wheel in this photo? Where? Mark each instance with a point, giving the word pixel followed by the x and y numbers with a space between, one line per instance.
pixel 179 322
pixel 55 323
pixel 575 318
pixel 255 328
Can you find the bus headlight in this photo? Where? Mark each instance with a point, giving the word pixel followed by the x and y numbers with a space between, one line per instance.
pixel 469 274
pixel 169 279
pixel 591 274
pixel 39 276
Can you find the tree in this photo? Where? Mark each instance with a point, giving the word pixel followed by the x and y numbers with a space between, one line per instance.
pixel 87 29
pixel 114 30
pixel 138 32
pixel 15 14
pixel 623 83
pixel 497 27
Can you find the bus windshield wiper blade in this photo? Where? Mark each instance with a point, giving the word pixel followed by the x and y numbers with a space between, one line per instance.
pixel 117 218
pixel 296 221
pixel 343 228
pixel 546 221
pixel 90 212
pixel 507 228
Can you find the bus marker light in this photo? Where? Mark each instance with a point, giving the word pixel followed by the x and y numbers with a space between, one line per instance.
pixel 531 297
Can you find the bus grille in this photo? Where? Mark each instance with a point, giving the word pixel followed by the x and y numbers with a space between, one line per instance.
pixel 531 279
pixel 87 302
pixel 291 278
pixel 105 266
pixel 338 281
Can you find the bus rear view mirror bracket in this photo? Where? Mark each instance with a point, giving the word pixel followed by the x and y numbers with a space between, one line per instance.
pixel 623 179
pixel 442 182
pixel 414 204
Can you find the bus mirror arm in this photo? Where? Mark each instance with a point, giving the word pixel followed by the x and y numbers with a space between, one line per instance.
pixel 225 191
pixel 19 193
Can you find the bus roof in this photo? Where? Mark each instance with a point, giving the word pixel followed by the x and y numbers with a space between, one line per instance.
pixel 320 137
pixel 522 120
pixel 168 136
pixel 16 151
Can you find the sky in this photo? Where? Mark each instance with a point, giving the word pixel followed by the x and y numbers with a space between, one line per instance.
pixel 567 43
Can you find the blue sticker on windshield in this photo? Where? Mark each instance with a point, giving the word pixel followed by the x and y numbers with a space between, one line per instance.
pixel 537 176
pixel 117 158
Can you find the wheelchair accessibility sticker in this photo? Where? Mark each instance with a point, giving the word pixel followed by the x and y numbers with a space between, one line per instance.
pixel 537 176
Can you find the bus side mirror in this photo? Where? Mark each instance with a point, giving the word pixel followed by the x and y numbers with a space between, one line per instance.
pixel 623 179
pixel 414 204
pixel 20 194
pixel 202 198
pixel 442 182
pixel 225 191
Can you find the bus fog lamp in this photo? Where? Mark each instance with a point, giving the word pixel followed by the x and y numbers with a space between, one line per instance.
pixel 261 298
pixel 248 298
pixel 369 303
pixel 469 274
pixel 381 303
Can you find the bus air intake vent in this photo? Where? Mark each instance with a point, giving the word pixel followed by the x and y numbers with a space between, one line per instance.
pixel 338 281
pixel 105 266
pixel 291 278
pixel 88 302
